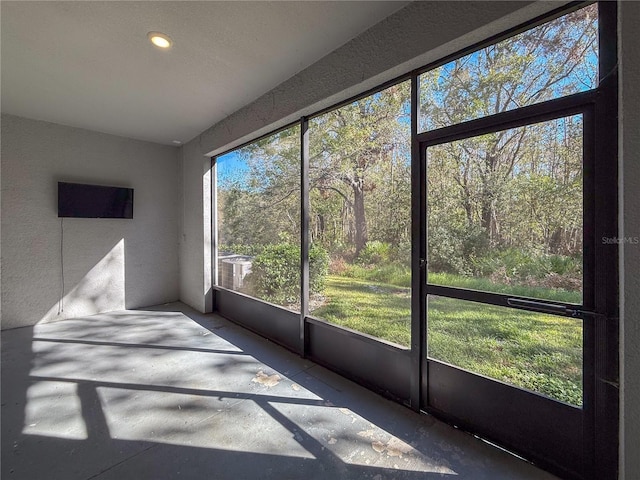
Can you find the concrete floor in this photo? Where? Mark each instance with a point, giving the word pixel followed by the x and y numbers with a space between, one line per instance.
pixel 166 393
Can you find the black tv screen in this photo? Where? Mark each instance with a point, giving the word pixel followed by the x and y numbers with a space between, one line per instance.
pixel 94 201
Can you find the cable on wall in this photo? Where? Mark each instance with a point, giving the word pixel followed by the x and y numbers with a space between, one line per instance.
pixel 61 301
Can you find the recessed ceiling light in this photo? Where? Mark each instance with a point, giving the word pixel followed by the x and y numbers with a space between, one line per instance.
pixel 177 142
pixel 160 40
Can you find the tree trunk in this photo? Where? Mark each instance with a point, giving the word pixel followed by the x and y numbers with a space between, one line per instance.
pixel 487 210
pixel 361 234
pixel 486 216
pixel 321 226
pixel 468 208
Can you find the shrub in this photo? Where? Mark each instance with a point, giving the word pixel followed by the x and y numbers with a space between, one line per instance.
pixel 318 268
pixel 338 265
pixel 402 253
pixel 510 262
pixel 563 265
pixel 515 266
pixel 454 249
pixel 391 273
pixel 375 252
pixel 275 272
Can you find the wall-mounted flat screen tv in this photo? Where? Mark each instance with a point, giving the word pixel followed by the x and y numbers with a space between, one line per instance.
pixel 94 201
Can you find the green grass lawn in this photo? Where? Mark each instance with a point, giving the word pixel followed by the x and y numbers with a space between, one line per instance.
pixel 378 309
pixel 532 350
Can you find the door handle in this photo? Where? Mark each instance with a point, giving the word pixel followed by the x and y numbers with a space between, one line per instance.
pixel 539 306
pixel 553 308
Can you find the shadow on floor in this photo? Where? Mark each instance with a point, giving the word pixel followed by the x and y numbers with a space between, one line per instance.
pixel 169 393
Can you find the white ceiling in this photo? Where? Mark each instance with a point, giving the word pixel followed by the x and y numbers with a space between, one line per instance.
pixel 89 64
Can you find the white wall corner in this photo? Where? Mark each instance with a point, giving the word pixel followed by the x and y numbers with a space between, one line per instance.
pixel 207 188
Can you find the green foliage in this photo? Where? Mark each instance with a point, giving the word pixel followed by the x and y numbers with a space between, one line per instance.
pixel 563 265
pixel 259 191
pixel 375 252
pixel 454 249
pixel 394 274
pixel 318 268
pixel 514 261
pixel 550 385
pixel 380 262
pixel 359 171
pixel 275 273
pixel 513 265
pixel 402 252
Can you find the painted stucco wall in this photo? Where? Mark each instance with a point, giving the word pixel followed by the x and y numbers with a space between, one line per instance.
pixel 195 228
pixel 629 65
pixel 109 264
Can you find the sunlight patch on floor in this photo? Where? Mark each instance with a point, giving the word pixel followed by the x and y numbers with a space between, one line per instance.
pixel 53 409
